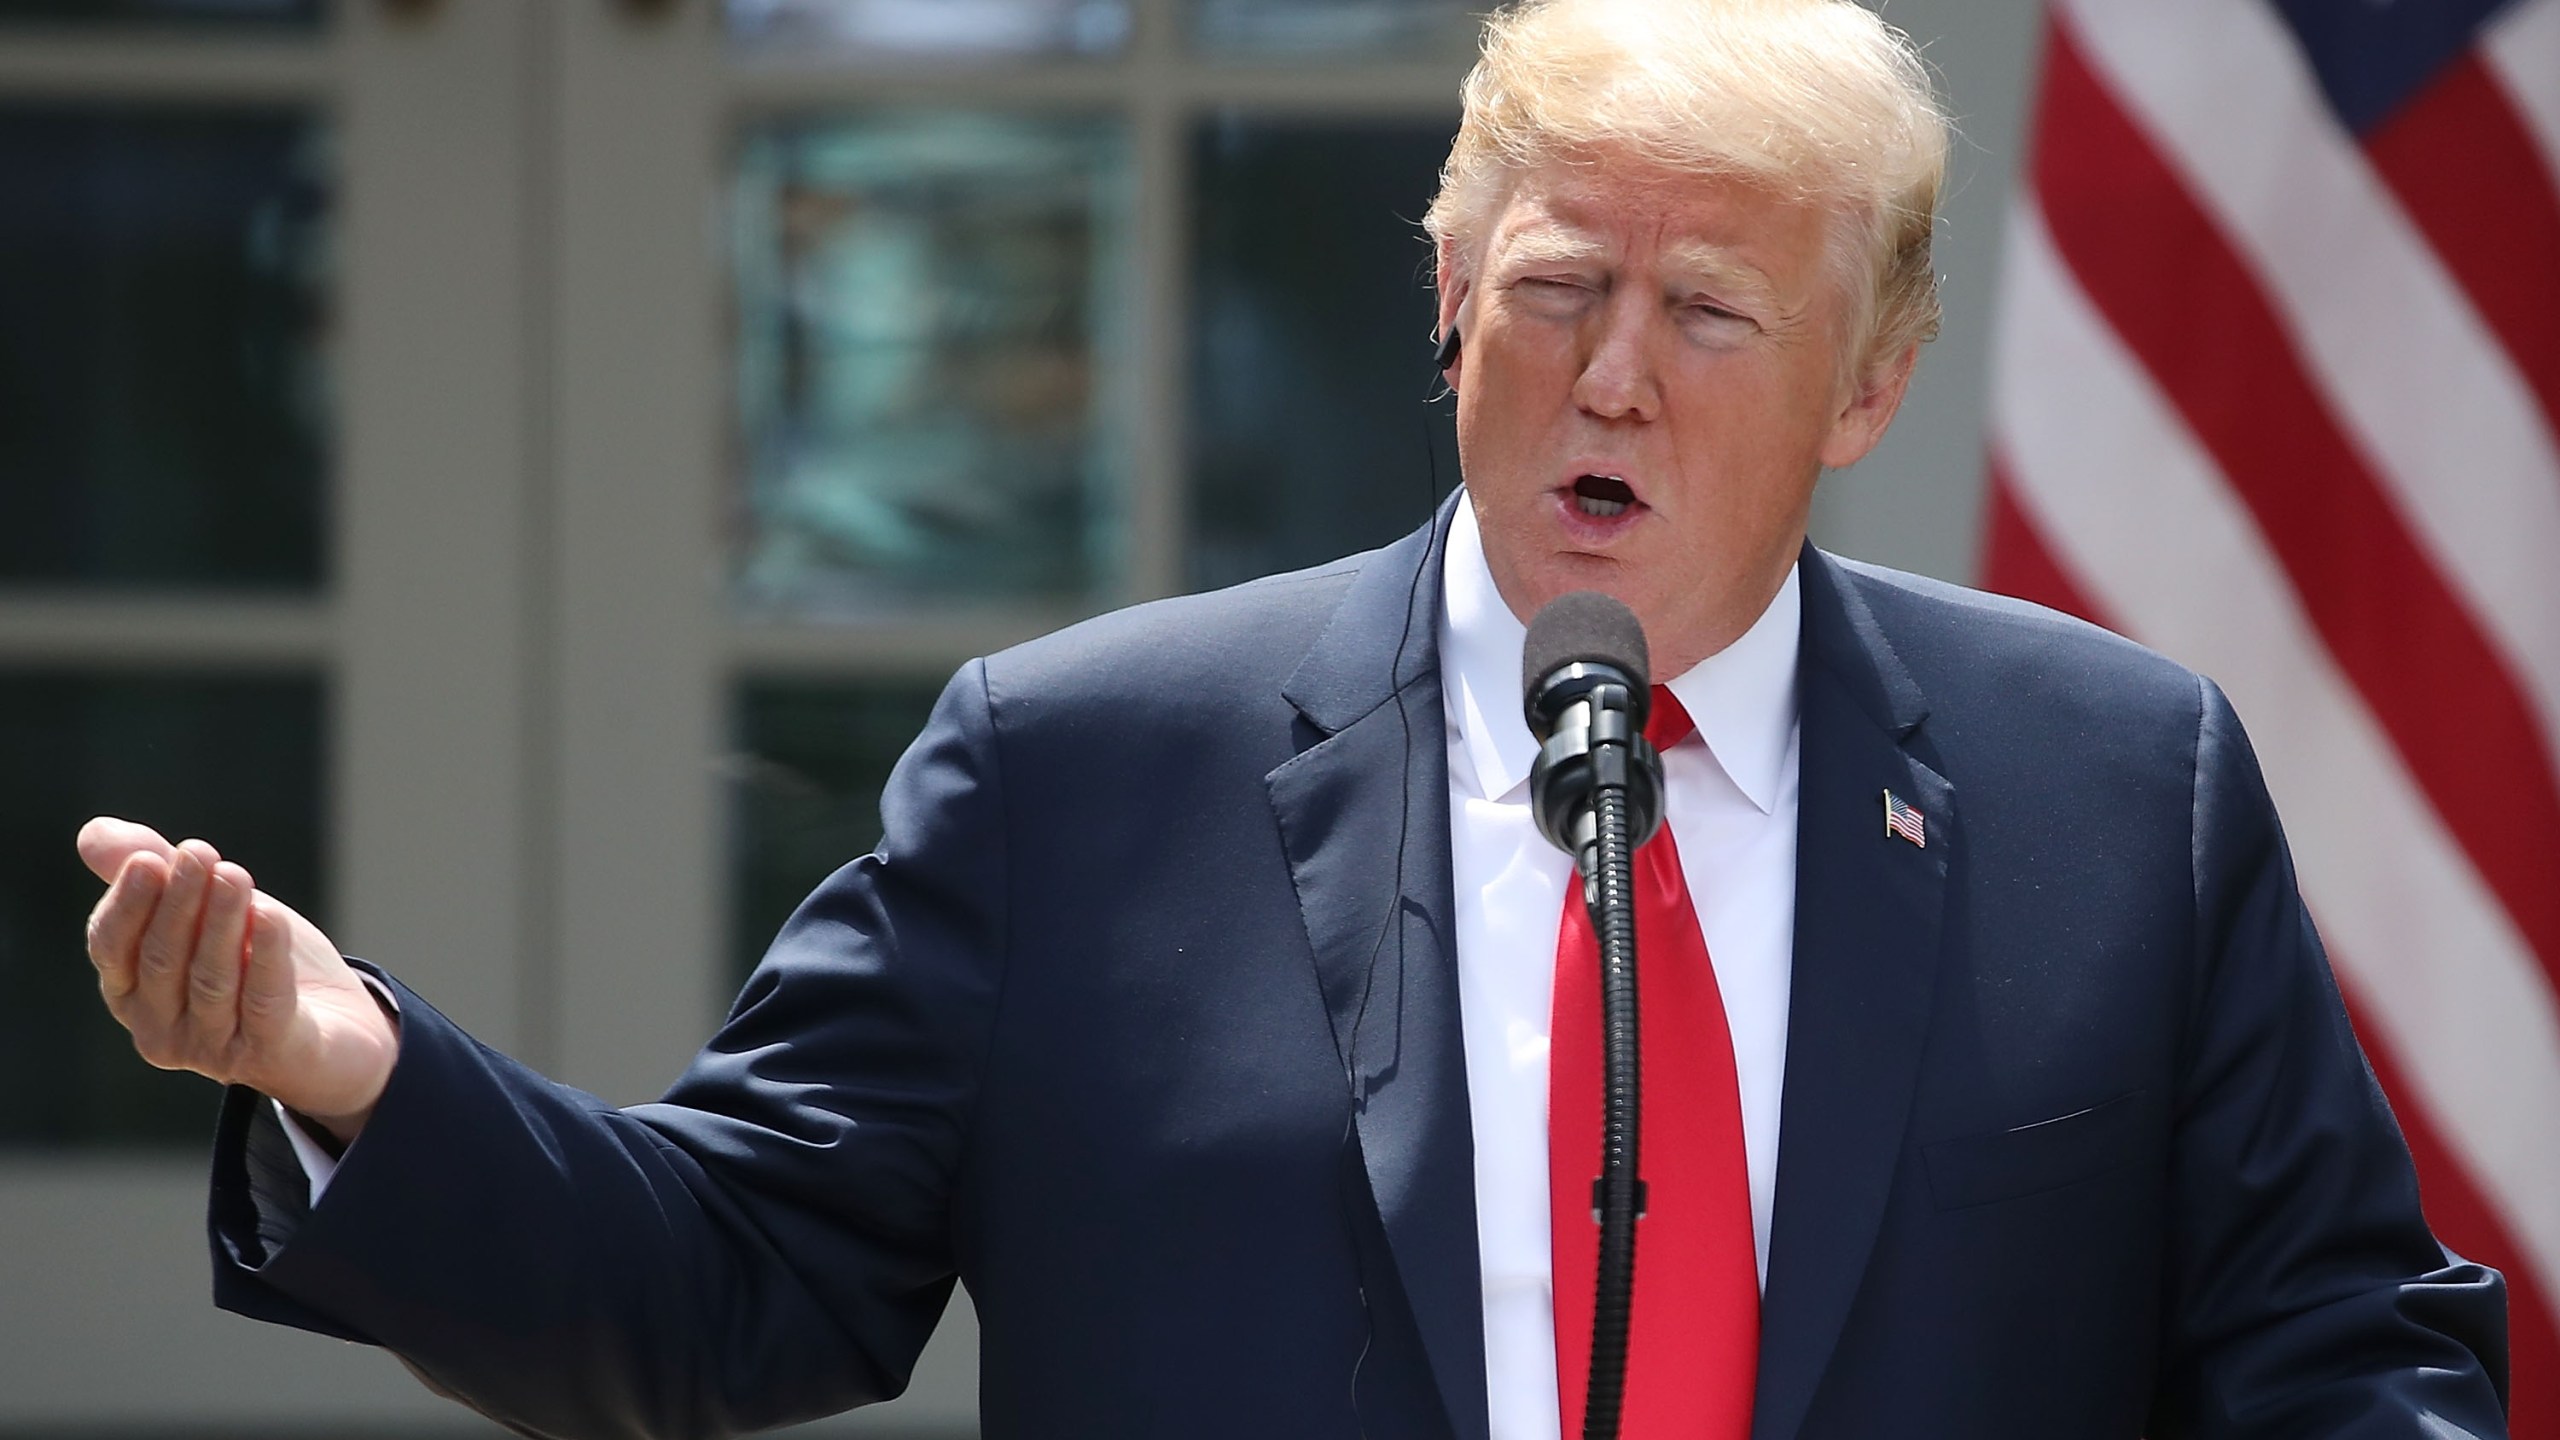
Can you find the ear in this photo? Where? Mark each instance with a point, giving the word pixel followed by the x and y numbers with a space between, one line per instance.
pixel 1453 285
pixel 1867 409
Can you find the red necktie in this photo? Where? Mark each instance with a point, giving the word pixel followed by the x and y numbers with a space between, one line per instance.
pixel 1694 1340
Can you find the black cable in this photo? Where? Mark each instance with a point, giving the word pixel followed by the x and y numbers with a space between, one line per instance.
pixel 1395 903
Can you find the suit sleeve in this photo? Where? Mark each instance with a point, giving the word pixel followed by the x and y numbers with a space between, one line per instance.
pixel 2308 1296
pixel 769 1242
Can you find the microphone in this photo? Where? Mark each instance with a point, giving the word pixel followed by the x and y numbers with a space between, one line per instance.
pixel 1584 688
pixel 1597 794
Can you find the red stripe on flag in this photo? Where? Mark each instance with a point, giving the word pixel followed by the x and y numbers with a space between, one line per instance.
pixel 2468 172
pixel 2015 559
pixel 2178 294
pixel 2471 1227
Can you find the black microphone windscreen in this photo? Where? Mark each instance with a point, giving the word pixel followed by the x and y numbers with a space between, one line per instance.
pixel 1585 627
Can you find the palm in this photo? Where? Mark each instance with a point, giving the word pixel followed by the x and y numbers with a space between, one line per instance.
pixel 322 1049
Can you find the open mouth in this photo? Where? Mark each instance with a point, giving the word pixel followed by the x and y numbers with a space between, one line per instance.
pixel 1602 496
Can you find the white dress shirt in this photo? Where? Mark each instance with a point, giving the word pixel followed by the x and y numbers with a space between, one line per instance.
pixel 1731 806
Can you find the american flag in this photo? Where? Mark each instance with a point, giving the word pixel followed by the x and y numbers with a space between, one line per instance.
pixel 2278 393
pixel 1900 819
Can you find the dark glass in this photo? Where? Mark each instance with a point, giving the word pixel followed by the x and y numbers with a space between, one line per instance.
pixel 933 29
pixel 1314 431
pixel 805 780
pixel 162 335
pixel 932 360
pixel 1335 29
pixel 287 15
pixel 237 760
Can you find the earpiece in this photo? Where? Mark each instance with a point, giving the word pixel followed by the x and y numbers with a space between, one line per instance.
pixel 1447 354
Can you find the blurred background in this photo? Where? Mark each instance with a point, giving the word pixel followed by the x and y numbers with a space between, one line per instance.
pixel 515 475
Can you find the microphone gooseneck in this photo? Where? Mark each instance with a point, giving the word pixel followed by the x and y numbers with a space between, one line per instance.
pixel 1597 793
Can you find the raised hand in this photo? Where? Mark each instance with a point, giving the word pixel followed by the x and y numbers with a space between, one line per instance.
pixel 211 976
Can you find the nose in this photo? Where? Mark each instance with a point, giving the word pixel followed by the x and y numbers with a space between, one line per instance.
pixel 1618 380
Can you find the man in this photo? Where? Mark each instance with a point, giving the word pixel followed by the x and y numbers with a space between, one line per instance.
pixel 1195 1010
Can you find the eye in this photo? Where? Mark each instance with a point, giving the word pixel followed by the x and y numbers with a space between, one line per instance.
pixel 1705 309
pixel 1552 295
pixel 1710 322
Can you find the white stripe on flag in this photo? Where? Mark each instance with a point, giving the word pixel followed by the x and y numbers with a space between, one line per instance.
pixel 2411 371
pixel 2523 50
pixel 2136 511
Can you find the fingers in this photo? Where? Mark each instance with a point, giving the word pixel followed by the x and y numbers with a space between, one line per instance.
pixel 191 958
pixel 169 941
pixel 214 971
pixel 106 843
pixel 116 925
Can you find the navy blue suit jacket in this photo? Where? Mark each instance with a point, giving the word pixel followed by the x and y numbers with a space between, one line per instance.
pixel 1143 1024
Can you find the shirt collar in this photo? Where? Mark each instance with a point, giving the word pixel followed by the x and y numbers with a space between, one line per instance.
pixel 1743 697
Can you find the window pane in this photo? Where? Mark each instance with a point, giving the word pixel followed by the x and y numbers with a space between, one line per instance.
pixel 1313 429
pixel 162 336
pixel 931 373
pixel 1358 29
pixel 805 779
pixel 235 760
pixel 237 14
pixel 956 29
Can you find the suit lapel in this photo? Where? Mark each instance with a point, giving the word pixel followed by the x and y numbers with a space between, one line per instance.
pixel 1866 960
pixel 1364 808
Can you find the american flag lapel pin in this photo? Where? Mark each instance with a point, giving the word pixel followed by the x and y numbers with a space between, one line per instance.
pixel 1900 819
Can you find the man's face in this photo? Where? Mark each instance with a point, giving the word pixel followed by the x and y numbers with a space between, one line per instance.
pixel 1649 385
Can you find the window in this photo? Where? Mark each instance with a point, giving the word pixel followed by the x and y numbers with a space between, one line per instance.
pixel 165 453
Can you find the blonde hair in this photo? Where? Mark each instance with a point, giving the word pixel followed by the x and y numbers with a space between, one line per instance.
pixel 1819 100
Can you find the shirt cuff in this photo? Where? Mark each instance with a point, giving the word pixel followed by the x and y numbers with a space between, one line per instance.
pixel 318 1165
pixel 319 1158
